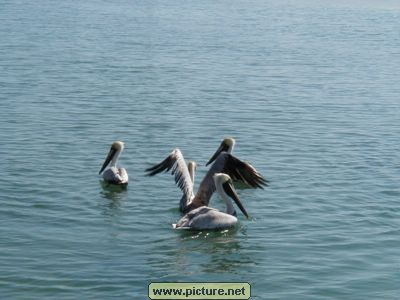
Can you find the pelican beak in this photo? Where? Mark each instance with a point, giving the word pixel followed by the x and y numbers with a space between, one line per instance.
pixel 223 147
pixel 230 191
pixel 109 157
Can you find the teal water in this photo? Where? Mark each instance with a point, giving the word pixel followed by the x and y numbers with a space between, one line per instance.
pixel 309 89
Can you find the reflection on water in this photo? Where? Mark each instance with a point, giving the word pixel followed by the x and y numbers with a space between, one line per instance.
pixel 227 254
pixel 112 187
pixel 211 252
pixel 116 194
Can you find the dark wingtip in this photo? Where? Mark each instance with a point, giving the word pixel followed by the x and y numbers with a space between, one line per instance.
pixel 151 170
pixel 264 182
pixel 165 165
pixel 154 170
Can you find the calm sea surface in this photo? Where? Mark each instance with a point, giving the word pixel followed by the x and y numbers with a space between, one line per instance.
pixel 309 89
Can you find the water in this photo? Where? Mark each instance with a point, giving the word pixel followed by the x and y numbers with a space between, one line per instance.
pixel 309 89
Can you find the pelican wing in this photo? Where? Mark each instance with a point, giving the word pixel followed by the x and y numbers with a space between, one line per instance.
pixel 235 168
pixel 205 218
pixel 239 170
pixel 123 174
pixel 176 162
pixel 186 220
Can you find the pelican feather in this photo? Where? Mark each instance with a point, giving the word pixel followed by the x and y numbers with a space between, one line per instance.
pixel 176 162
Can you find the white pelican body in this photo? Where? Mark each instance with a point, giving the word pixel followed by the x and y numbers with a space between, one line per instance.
pixel 113 174
pixel 207 218
pixel 224 163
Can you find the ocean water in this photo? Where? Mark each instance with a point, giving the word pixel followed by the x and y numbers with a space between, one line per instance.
pixel 309 90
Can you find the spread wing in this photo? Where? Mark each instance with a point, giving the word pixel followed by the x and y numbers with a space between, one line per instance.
pixel 177 164
pixel 235 168
pixel 242 171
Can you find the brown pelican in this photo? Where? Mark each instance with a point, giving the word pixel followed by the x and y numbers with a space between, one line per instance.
pixel 206 218
pixel 113 174
pixel 224 163
pixel 227 146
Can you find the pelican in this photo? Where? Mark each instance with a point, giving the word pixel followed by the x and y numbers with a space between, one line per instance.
pixel 224 163
pixel 206 218
pixel 227 146
pixel 113 174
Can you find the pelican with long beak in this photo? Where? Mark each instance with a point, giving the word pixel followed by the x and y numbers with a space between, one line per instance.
pixel 224 163
pixel 226 145
pixel 113 174
pixel 207 218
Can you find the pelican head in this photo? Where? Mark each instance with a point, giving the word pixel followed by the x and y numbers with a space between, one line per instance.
pixel 116 148
pixel 192 165
pixel 226 146
pixel 223 180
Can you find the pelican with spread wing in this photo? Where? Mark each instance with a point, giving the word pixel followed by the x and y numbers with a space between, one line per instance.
pixel 224 163
pixel 227 146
